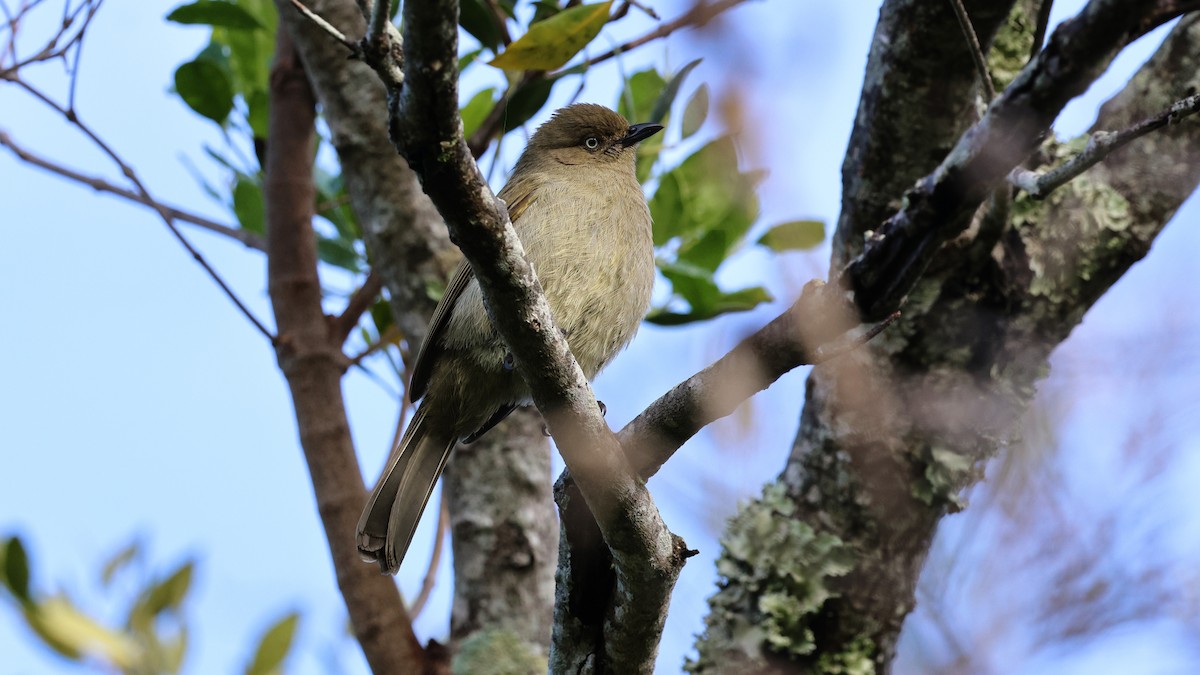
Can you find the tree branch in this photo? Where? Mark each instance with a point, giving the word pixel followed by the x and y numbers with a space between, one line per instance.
pixel 426 128
pixel 313 363
pixel 964 21
pixel 330 29
pixel 360 301
pixel 794 338
pixel 940 205
pixel 250 239
pixel 1100 145
pixel 73 118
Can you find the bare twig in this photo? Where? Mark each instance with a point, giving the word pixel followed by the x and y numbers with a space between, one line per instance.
pixel 964 21
pixel 1099 145
pixel 697 16
pixel 141 190
pixel 328 28
pixel 250 239
pixel 1039 31
pixel 391 335
pixel 360 301
pixel 379 20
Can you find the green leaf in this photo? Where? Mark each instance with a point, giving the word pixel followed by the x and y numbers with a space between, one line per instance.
pixel 707 252
pixel 663 105
pixel 476 110
pixel 119 561
pixel 467 59
pixel 693 284
pixel 706 193
pixel 637 103
pixel 16 568
pixel 339 253
pixel 666 209
pixel 205 88
pixel 526 101
pixel 250 52
pixel 274 646
pixel 258 104
pixel 695 112
pixel 333 204
pixel 248 205
pixel 214 13
pixel 159 597
pixel 478 19
pixel 642 91
pixel 381 315
pixel 550 43
pixel 544 9
pixel 794 235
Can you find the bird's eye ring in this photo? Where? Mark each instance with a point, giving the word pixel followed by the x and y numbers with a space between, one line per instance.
pixel 591 143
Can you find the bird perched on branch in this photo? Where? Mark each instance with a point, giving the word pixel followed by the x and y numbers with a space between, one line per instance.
pixel 576 204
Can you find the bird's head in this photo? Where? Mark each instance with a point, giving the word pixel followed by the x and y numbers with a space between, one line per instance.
pixel 586 134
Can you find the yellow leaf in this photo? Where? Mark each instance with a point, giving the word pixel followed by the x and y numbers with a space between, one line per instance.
pixel 73 634
pixel 550 43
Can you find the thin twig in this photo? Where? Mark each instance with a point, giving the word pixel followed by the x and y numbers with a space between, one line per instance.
pixel 852 341
pixel 501 21
pixel 697 16
pixel 360 301
pixel 434 560
pixel 389 336
pixel 964 21
pixel 250 239
pixel 1099 146
pixel 130 174
pixel 380 19
pixel 1043 23
pixel 327 27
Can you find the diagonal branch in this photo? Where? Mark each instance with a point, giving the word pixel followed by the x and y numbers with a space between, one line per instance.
pixel 360 301
pixel 1099 145
pixel 812 330
pixel 964 22
pixel 426 128
pixel 250 239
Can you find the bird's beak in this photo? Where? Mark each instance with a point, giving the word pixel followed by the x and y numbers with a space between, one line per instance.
pixel 640 132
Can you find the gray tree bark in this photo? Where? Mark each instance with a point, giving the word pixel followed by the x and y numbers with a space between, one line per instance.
pixel 819 572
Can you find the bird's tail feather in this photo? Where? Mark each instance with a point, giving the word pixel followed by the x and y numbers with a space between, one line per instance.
pixel 390 518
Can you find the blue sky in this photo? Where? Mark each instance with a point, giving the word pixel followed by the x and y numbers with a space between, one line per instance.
pixel 137 402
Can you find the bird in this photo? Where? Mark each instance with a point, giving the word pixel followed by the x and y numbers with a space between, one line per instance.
pixel 577 206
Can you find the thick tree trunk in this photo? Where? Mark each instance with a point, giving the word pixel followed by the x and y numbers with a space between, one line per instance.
pixel 891 435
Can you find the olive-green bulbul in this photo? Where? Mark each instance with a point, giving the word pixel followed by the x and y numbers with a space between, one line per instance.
pixel 575 202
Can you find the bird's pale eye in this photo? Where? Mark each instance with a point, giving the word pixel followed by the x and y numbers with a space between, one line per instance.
pixel 591 143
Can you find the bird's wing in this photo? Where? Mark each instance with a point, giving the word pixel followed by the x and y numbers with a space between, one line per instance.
pixel 518 196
